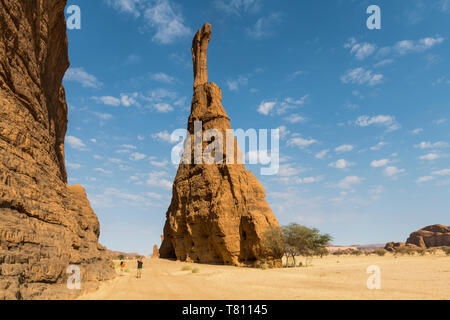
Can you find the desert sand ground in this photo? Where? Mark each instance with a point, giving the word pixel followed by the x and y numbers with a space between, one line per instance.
pixel 345 277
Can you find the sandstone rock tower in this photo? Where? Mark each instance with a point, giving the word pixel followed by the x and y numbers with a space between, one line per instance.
pixel 45 225
pixel 218 211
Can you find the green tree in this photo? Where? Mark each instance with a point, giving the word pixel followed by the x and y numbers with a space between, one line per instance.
pixel 295 240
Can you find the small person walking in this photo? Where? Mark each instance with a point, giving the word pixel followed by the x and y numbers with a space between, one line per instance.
pixel 122 266
pixel 139 268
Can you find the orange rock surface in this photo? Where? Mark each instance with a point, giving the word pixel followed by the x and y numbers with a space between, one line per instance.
pixel 45 225
pixel 218 211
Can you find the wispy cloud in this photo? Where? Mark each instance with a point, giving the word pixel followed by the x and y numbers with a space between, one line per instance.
pixel 362 76
pixel 164 17
pixel 264 26
pixel 237 7
pixel 360 50
pixel 387 121
pixel 82 77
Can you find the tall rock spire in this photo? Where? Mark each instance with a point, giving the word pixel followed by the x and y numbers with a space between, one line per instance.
pixel 199 54
pixel 218 211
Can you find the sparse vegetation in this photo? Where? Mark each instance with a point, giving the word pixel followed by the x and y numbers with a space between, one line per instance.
pixel 121 257
pixel 295 240
pixel 380 252
pixel 446 250
pixel 186 268
pixel 196 270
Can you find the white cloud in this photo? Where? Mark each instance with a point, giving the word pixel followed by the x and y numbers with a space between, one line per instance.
pixel 424 179
pixel 341 164
pixel 108 100
pixel 161 164
pixel 237 6
pixel 129 146
pixel 344 148
pixel 73 166
pixel 167 21
pixel 381 120
pixel 128 100
pixel 362 76
pixel 81 76
pixel 429 145
pixel 264 26
pixel 417 131
pixel 441 121
pixel 165 136
pixel 136 156
pixel 430 157
pixel 235 84
pixel 378 146
pixel 75 143
pixel 159 179
pixel 274 107
pixel 301 143
pixel 322 154
pixel 408 46
pixel 102 116
pixel 126 6
pixel 349 182
pixel 101 170
pixel 383 63
pixel 379 163
pixel 163 107
pixel 360 50
pixel 392 171
pixel 296 74
pixel 163 77
pixel 445 172
pixel 295 118
pixel 124 100
pixel 265 107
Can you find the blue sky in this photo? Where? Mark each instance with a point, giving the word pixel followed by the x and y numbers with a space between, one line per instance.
pixel 364 114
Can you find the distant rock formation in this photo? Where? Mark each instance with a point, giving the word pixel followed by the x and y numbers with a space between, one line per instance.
pixel 218 212
pixel 45 225
pixel 155 254
pixel 436 235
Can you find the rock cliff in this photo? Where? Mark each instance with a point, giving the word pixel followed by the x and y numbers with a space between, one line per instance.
pixel 45 225
pixel 218 211
pixel 432 236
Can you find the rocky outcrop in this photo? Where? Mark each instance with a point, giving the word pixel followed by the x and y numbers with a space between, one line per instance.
pixel 45 225
pixel 155 254
pixel 432 236
pixel 218 211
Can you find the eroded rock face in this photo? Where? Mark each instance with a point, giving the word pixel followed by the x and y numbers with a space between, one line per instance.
pixel 155 254
pixel 432 236
pixel 218 212
pixel 45 225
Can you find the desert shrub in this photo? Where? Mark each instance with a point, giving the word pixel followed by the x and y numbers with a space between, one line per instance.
pixel 338 253
pixel 367 253
pixel 421 251
pixel 196 270
pixel 431 251
pixel 294 240
pixel 186 268
pixel 121 257
pixel 356 252
pixel 380 252
pixel 446 250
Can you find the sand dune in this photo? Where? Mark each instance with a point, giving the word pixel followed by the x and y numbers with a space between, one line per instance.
pixel 345 277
